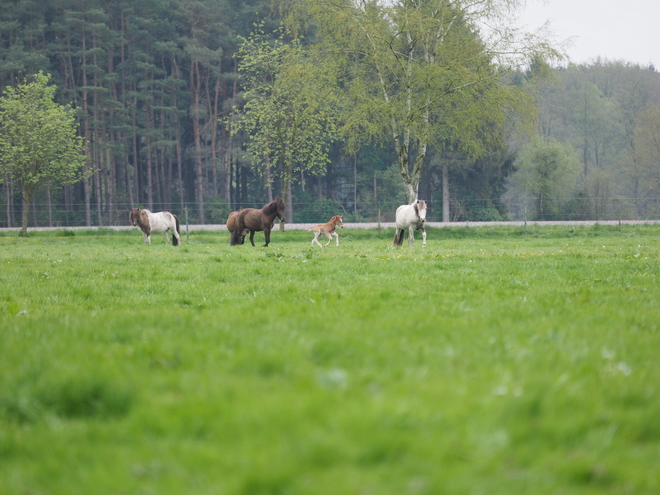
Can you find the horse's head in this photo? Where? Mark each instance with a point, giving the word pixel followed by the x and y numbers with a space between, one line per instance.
pixel 337 221
pixel 420 209
pixel 134 216
pixel 280 206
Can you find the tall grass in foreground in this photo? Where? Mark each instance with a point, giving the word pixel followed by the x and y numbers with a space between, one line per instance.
pixel 489 362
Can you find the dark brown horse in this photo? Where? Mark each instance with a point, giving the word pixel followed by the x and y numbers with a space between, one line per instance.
pixel 231 225
pixel 258 220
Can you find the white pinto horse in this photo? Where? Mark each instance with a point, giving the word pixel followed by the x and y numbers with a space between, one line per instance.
pixel 411 217
pixel 156 223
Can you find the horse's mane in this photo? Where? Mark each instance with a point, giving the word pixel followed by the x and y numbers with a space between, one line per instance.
pixel 275 205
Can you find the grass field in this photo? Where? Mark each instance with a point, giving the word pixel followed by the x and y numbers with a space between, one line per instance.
pixel 489 362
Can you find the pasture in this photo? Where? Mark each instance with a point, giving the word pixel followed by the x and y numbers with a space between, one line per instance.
pixel 488 362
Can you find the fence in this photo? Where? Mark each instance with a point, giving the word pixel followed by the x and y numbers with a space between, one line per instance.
pixel 572 210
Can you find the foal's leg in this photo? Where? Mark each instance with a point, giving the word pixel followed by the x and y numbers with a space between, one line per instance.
pixel 316 239
pixel 336 237
pixel 329 236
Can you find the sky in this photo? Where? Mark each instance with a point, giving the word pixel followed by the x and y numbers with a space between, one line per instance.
pixel 615 30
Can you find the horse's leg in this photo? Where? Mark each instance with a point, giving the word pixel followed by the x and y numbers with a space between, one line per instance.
pixel 411 235
pixel 398 237
pixel 267 236
pixel 252 236
pixel 336 237
pixel 167 238
pixel 423 236
pixel 329 236
pixel 147 238
pixel 316 239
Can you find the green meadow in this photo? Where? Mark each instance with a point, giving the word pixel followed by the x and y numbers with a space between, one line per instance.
pixel 489 362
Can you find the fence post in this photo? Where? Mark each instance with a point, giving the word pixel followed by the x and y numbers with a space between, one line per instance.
pixel 185 209
pixel 379 220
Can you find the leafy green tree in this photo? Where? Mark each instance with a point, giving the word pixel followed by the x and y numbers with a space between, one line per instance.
pixel 290 108
pixel 647 148
pixel 548 171
pixel 423 73
pixel 39 145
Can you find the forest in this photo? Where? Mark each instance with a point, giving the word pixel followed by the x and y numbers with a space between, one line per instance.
pixel 158 84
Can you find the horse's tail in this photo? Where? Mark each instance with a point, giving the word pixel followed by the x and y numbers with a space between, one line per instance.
pixel 398 237
pixel 175 238
pixel 239 226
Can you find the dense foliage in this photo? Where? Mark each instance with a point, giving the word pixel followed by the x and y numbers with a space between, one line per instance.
pixel 155 85
pixel 606 115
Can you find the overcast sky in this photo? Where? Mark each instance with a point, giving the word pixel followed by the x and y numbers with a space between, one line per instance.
pixel 627 30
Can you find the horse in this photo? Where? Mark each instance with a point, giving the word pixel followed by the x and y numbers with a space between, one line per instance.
pixel 412 217
pixel 231 225
pixel 328 229
pixel 258 220
pixel 156 223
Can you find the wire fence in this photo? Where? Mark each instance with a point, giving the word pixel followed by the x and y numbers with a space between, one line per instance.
pixel 468 211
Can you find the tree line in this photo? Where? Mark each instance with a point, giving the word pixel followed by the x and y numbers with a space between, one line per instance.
pixel 180 107
pixel 151 82
pixel 596 154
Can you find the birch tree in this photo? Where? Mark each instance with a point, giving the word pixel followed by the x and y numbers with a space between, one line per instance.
pixel 429 72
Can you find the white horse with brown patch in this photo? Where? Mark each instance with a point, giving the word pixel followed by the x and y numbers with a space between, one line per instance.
pixel 156 223
pixel 329 229
pixel 411 217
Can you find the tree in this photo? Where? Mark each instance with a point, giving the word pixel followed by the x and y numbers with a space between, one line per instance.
pixel 548 171
pixel 290 104
pixel 647 148
pixel 39 145
pixel 426 73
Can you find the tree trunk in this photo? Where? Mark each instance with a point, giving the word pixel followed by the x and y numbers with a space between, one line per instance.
pixel 28 194
pixel 49 206
pixel 97 183
pixel 410 180
pixel 9 193
pixel 86 134
pixel 179 170
pixel 195 84
pixel 445 192
pixel 287 193
pixel 214 118
pixel 150 187
pixel 355 185
pixel 269 182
